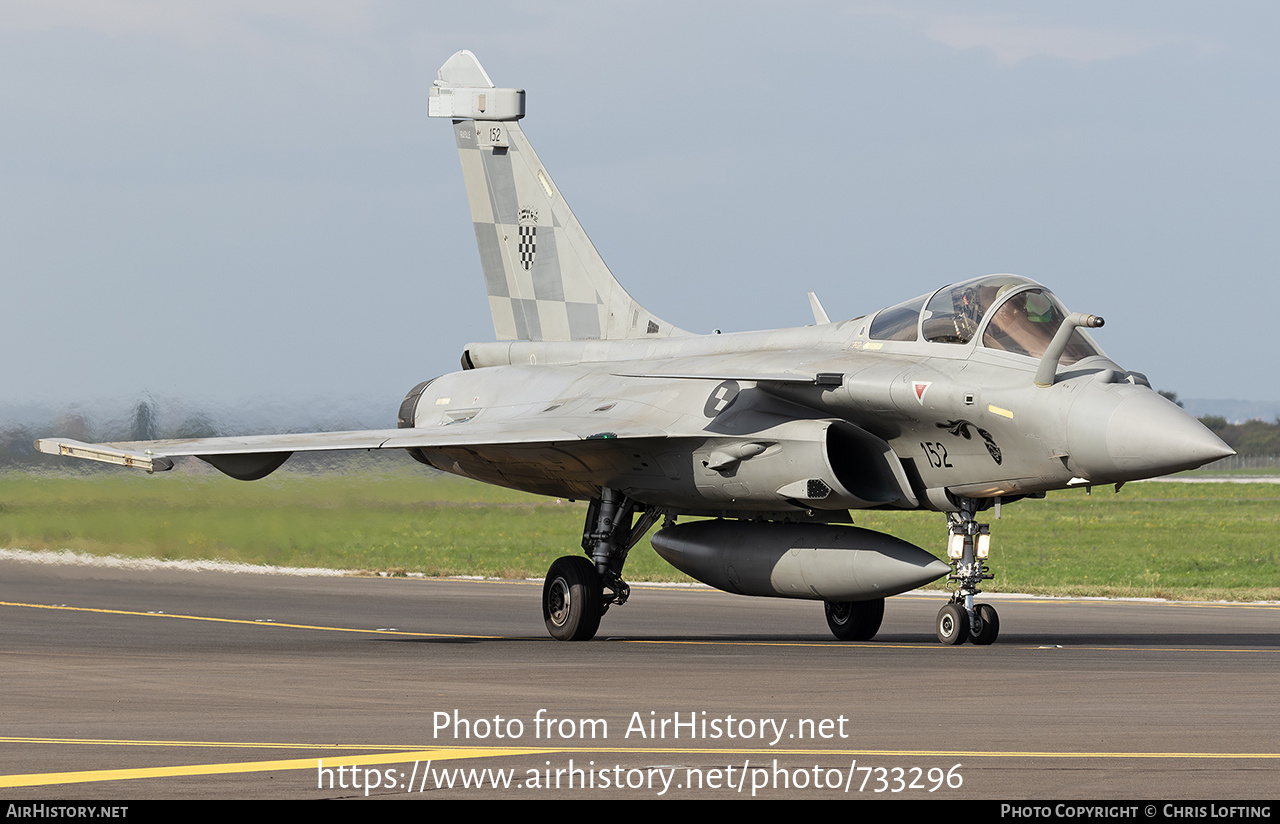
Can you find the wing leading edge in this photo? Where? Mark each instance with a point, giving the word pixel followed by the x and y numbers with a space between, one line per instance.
pixel 250 457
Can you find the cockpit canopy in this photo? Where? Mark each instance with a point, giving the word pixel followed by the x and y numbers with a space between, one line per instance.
pixel 1020 316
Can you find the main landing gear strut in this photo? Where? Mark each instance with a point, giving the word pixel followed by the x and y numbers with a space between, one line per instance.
pixel 968 544
pixel 578 590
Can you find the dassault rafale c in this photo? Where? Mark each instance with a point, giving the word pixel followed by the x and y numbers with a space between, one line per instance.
pixel 958 401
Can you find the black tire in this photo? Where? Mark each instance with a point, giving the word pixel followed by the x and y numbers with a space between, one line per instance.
pixel 572 596
pixel 952 625
pixel 988 628
pixel 855 620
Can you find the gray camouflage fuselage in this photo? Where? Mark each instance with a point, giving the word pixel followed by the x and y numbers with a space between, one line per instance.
pixel 979 428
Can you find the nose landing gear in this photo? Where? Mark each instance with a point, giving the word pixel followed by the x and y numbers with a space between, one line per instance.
pixel 968 546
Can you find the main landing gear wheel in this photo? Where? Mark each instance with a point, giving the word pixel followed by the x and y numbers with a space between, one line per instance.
pixel 953 625
pixel 572 599
pixel 987 627
pixel 855 620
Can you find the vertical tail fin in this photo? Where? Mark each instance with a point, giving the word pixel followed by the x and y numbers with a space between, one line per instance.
pixel 545 279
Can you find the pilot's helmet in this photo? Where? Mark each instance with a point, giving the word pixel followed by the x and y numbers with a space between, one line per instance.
pixel 1039 308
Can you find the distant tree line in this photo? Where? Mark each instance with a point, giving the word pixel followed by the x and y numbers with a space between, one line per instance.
pixel 148 420
pixel 1251 439
pixel 17 441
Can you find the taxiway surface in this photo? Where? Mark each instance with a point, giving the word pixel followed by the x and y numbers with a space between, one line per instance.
pixel 126 683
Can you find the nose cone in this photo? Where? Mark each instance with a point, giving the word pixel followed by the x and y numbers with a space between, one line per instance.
pixel 1143 436
pixel 1152 436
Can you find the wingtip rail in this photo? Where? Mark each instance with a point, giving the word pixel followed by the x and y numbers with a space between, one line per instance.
pixel 104 454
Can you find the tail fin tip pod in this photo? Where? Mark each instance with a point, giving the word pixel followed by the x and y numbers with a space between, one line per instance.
pixel 544 277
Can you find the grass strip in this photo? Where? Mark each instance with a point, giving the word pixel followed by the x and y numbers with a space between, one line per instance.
pixel 1187 541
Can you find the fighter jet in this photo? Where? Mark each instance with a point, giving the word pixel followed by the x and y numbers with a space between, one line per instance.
pixel 958 401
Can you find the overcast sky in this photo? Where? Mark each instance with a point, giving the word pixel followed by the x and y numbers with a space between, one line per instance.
pixel 246 201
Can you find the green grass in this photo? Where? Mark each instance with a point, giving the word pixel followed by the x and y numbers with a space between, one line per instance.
pixel 1207 541
pixel 406 520
pixel 1184 541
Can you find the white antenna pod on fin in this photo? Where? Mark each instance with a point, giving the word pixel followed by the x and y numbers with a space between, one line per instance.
pixel 463 91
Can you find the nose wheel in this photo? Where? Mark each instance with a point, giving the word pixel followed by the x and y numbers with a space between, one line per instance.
pixel 987 626
pixel 955 627
pixel 952 625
